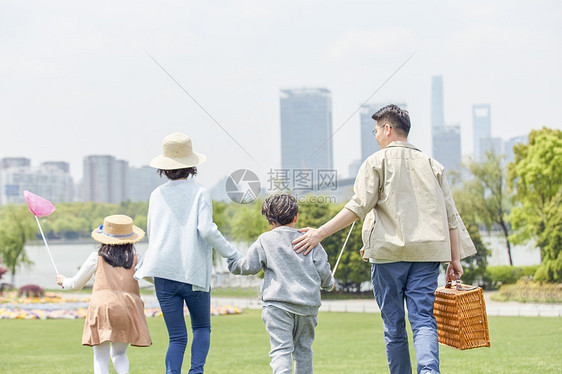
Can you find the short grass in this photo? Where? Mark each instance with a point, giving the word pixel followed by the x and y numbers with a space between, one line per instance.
pixel 345 343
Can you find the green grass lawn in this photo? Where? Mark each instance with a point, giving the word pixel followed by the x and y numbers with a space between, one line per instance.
pixel 346 343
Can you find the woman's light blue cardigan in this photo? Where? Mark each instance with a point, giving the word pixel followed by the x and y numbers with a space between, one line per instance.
pixel 181 235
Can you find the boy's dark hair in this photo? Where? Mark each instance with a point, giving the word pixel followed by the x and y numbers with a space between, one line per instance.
pixel 398 118
pixel 118 255
pixel 280 209
pixel 178 173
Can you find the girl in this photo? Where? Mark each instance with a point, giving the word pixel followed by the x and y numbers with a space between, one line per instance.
pixel 179 256
pixel 116 312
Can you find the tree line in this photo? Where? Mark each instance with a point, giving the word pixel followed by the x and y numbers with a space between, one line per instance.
pixel 523 200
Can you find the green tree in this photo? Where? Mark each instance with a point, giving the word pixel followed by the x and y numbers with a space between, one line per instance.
pixel 536 177
pixel 550 240
pixel 352 270
pixel 16 226
pixel 247 222
pixel 489 196
pixel 474 266
pixel 70 227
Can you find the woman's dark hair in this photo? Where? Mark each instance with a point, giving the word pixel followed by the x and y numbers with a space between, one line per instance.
pixel 280 209
pixel 178 173
pixel 118 255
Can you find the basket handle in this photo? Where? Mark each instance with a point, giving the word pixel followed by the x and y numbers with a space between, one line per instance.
pixel 459 286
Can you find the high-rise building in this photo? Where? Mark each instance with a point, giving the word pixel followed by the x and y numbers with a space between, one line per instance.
pixel 445 139
pixel 509 144
pixel 306 129
pixel 369 144
pixel 437 103
pixel 494 145
pixel 447 146
pixel 52 182
pixel 105 179
pixel 481 130
pixel 142 181
pixel 353 168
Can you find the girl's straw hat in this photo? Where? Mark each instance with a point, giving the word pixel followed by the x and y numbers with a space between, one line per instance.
pixel 117 229
pixel 177 153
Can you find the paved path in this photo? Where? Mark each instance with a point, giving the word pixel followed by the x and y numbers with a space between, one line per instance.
pixel 493 308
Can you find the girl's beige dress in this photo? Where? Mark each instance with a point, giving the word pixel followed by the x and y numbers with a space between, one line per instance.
pixel 116 311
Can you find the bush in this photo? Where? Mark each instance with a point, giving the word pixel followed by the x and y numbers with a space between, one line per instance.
pixel 528 291
pixel 500 275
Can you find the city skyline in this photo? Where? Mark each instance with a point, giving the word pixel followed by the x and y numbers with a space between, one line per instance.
pixel 78 80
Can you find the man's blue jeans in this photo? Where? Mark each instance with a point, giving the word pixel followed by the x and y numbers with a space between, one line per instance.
pixel 171 296
pixel 414 282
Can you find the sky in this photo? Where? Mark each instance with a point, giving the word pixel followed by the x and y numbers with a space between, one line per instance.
pixel 89 78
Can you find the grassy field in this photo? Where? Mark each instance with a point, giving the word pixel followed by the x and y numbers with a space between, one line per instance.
pixel 346 343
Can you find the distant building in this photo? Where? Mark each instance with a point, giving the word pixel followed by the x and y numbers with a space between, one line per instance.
pixel 105 179
pixel 11 162
pixel 447 146
pixel 57 165
pixel 306 129
pixel 481 130
pixel 494 145
pixel 339 195
pixel 142 181
pixel 445 139
pixel 51 180
pixel 353 168
pixel 437 103
pixel 369 144
pixel 509 144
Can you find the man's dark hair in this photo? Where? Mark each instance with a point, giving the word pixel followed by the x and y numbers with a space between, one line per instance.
pixel 178 173
pixel 118 255
pixel 398 118
pixel 280 209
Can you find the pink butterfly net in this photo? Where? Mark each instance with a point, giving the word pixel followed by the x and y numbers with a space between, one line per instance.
pixel 39 206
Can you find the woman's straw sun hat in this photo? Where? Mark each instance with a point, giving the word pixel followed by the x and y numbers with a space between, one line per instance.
pixel 117 229
pixel 177 153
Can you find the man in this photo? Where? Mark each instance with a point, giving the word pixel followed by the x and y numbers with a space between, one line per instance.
pixel 409 228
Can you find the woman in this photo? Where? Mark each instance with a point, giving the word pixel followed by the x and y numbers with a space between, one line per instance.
pixel 179 257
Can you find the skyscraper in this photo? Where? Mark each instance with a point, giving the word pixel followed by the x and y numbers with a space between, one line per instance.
pixel 481 129
pixel 437 106
pixel 369 144
pixel 445 139
pixel 447 146
pixel 306 129
pixel 509 144
pixel 142 181
pixel 105 179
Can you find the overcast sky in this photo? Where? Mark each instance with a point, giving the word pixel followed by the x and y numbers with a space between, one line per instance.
pixel 77 78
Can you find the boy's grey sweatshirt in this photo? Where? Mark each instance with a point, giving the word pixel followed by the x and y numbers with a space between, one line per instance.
pixel 292 281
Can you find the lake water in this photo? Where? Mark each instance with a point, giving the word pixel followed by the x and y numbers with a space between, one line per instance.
pixel 70 256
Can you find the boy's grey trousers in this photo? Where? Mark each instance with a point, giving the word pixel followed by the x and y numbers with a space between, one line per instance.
pixel 290 335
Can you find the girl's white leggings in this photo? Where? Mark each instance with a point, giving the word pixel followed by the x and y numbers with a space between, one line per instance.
pixel 118 352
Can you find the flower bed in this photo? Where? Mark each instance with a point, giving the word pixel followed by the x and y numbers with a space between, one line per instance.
pixel 52 306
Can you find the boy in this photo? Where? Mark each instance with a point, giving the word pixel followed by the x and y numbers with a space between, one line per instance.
pixel 291 285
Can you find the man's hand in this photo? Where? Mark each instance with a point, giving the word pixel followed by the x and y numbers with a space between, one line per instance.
pixel 309 240
pixel 454 271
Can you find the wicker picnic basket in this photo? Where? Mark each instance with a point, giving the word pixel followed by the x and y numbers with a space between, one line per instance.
pixel 460 312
